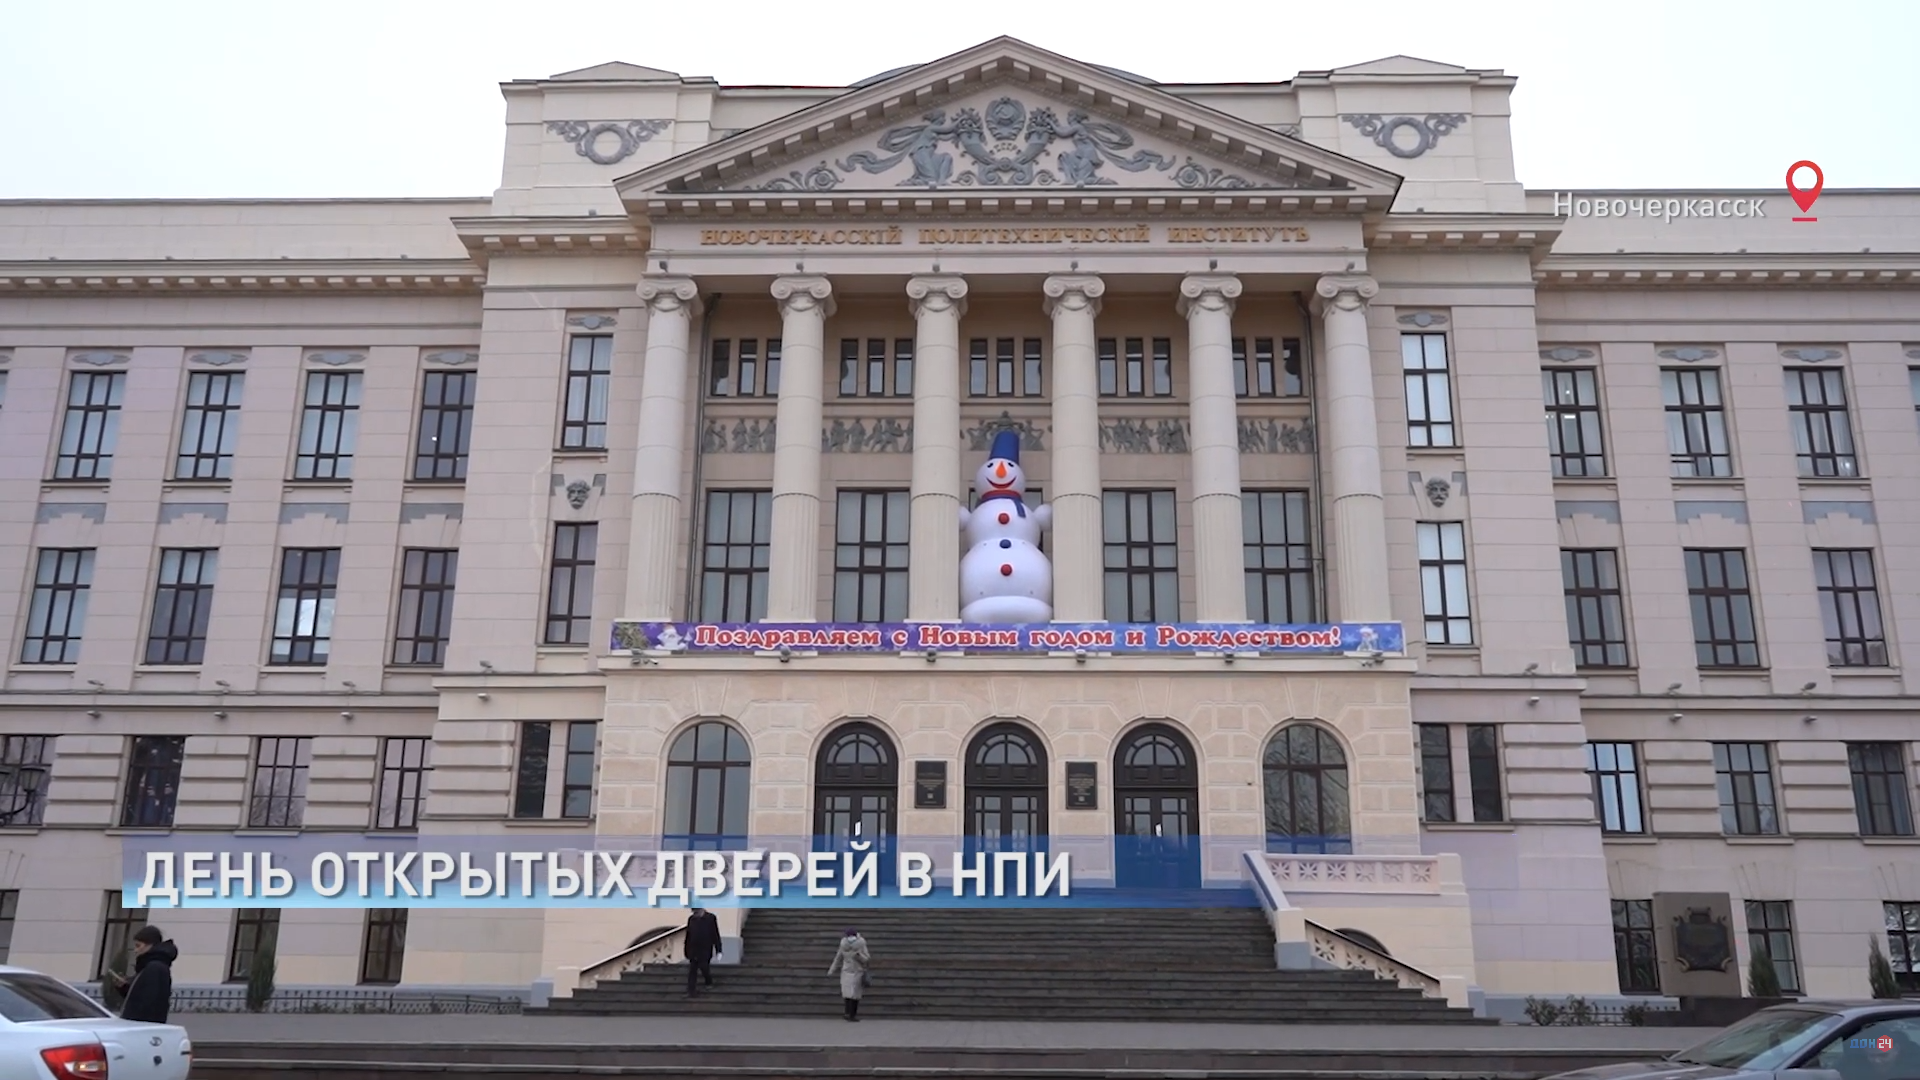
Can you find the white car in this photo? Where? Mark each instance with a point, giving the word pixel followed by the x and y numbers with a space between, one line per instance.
pixel 50 1031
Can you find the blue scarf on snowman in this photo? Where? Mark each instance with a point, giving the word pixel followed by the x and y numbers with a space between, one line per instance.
pixel 1006 447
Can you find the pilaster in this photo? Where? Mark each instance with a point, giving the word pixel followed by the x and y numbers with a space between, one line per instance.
pixel 660 452
pixel 1073 302
pixel 938 303
pixel 1207 303
pixel 1353 450
pixel 793 574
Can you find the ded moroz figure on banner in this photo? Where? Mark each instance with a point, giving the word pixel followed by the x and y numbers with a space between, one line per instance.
pixel 1004 577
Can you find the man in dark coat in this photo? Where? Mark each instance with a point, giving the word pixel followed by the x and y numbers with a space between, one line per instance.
pixel 150 992
pixel 702 941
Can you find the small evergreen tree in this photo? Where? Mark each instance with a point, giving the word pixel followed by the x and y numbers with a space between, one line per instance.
pixel 260 978
pixel 1880 972
pixel 1762 980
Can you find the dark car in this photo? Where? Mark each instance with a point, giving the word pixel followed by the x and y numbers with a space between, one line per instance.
pixel 1834 1040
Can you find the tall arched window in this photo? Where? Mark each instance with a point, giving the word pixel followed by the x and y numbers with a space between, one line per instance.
pixel 708 785
pixel 1307 800
pixel 1006 790
pixel 856 784
pixel 1156 804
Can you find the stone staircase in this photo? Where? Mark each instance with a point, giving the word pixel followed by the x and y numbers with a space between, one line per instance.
pixel 1085 964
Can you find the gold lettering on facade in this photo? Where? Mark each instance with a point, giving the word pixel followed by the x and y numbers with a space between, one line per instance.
pixel 1039 236
pixel 1124 234
pixel 1236 234
pixel 889 235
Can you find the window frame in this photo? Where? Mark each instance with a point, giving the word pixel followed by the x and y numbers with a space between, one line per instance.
pixel 1439 800
pixel 532 762
pixel 203 415
pixel 584 392
pixel 1486 773
pixel 386 928
pixel 89 431
pixel 1425 430
pixel 744 368
pixel 1720 606
pixel 118 924
pixel 277 789
pixel 1262 371
pixel 1443 578
pixel 1697 429
pixel 392 780
pixel 722 581
pixel 1596 611
pixel 1882 786
pixel 181 601
pixel 1130 562
pixel 1763 795
pixel 1619 799
pixel 1288 559
pixel 1902 924
pixel 1850 614
pixel 244 946
pixel 426 602
pixel 327 435
pixel 1772 934
pixel 1134 367
pixel 870 367
pixel 580 576
pixel 1634 940
pixel 1571 423
pixel 152 781
pixel 444 419
pixel 864 565
pixel 1019 359
pixel 1826 423
pixel 57 594
pixel 582 781
pixel 304 608
pixel 9 918
pixel 689 774
pixel 34 750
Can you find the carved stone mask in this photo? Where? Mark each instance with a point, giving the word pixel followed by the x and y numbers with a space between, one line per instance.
pixel 1438 490
pixel 577 493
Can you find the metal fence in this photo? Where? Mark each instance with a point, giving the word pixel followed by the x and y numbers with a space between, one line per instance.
pixel 345 1000
pixel 1579 1012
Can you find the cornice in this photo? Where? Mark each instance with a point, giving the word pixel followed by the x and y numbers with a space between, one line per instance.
pixel 488 236
pixel 1532 233
pixel 1088 203
pixel 243 276
pixel 1773 270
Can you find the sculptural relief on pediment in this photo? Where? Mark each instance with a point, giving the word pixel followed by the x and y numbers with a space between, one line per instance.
pixel 1009 140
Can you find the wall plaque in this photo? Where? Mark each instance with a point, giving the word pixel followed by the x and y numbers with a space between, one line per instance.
pixel 929 785
pixel 1693 939
pixel 1083 785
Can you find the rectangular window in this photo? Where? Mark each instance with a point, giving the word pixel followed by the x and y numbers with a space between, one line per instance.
pixel 530 772
pixel 1615 768
pixel 1596 614
pixel 1135 367
pixel 255 930
pixel 1279 556
pixel 1822 432
pixel 1696 422
pixel 583 424
pixel 1913 387
pixel 1724 631
pixel 1423 359
pixel 153 781
pixel 446 425
pixel 1770 934
pixel 9 912
pixel 403 783
pixel 735 554
pixel 1260 373
pixel 1573 422
pixel 870 556
pixel 25 803
pixel 182 606
pixel 1030 367
pixel 1634 947
pixel 1743 775
pixel 1162 367
pixel 1004 367
pixel 1436 773
pixel 426 606
pixel 386 948
pixel 1850 607
pixel 1142 551
pixel 1903 941
pixel 1880 787
pixel 1109 367
pixel 576 776
pixel 91 429
pixel 1483 772
pixel 280 767
pixel 742 368
pixel 329 426
pixel 1443 582
pixel 116 938
pixel 570 585
pixel 57 614
pixel 876 367
pixel 210 426
pixel 303 613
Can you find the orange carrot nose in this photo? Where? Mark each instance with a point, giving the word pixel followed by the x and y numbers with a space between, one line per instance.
pixel 1000 471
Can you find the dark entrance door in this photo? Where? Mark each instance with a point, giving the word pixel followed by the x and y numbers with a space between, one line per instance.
pixel 856 794
pixel 1156 806
pixel 1006 791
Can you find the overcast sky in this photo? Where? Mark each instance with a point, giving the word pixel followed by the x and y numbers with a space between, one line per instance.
pixel 270 98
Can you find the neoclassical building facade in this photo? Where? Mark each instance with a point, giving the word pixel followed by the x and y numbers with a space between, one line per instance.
pixel 1636 487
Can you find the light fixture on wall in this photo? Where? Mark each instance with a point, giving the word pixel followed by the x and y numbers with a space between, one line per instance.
pixel 1810 688
pixel 1675 717
pixel 1079 656
pixel 1228 657
pixel 345 714
pixel 486 666
pixel 932 656
pixel 1531 668
pixel 1533 701
pixel 786 655
pixel 1808 719
pixel 93 714
pixel 484 696
pixel 219 714
pixel 1673 689
pixel 96 684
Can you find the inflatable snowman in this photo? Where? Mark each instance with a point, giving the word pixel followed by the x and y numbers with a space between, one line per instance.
pixel 1004 578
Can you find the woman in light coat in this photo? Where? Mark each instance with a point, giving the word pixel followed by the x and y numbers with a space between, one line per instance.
pixel 851 964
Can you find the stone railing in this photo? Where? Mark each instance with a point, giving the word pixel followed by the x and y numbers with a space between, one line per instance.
pixel 1416 874
pixel 1338 950
pixel 662 946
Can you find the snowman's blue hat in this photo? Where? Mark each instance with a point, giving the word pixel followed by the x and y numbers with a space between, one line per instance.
pixel 1006 445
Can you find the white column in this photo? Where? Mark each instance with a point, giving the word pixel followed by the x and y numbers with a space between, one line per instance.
pixel 1353 450
pixel 933 571
pixel 653 549
pixel 1206 300
pixel 793 555
pixel 1073 301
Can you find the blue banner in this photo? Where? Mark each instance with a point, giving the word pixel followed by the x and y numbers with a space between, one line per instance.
pixel 1121 638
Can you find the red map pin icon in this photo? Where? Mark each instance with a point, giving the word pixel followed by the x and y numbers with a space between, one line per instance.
pixel 1804 199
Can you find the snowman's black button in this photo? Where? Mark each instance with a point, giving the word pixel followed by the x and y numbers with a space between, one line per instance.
pixel 1006 543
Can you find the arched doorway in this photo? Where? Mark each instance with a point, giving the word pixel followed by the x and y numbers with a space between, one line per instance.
pixel 856 793
pixel 1308 808
pixel 708 789
pixel 1156 810
pixel 1006 790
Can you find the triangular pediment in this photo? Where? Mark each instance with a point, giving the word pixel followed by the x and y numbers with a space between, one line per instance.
pixel 1401 65
pixel 616 71
pixel 1007 118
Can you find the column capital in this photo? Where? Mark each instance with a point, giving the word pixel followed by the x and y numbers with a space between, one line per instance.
pixel 1207 292
pixel 668 292
pixel 936 293
pixel 1073 292
pixel 803 292
pixel 1344 292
